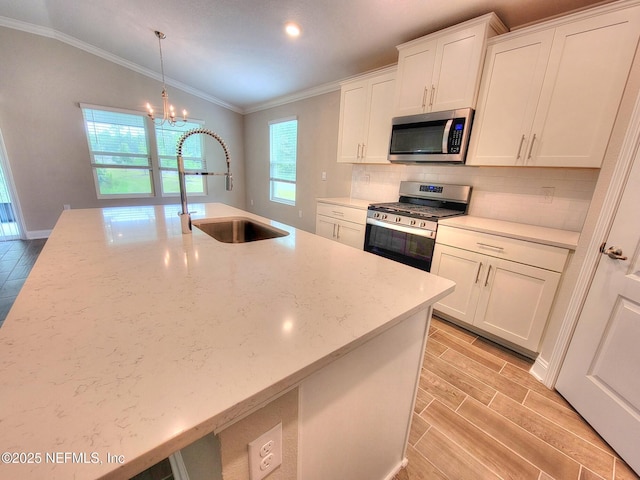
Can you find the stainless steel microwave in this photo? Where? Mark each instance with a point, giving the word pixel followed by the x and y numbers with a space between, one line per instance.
pixel 431 137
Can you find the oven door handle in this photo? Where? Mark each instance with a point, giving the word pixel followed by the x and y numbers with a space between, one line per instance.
pixel 402 228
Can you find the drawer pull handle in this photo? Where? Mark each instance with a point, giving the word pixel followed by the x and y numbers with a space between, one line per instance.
pixel 493 247
pixel 520 147
pixel 338 235
pixel 478 274
pixel 531 146
pixel 424 97
pixel 486 280
pixel 335 212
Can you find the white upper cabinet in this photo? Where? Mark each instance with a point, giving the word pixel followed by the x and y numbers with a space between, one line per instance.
pixel 366 108
pixel 550 93
pixel 441 71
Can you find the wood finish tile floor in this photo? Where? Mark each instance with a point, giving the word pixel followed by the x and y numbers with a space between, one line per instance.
pixel 17 257
pixel 481 415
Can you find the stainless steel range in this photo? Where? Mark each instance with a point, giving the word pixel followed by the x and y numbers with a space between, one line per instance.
pixel 405 230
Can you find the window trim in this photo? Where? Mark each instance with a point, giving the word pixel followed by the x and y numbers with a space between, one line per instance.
pixel 272 179
pixel 154 166
pixel 205 184
pixel 95 166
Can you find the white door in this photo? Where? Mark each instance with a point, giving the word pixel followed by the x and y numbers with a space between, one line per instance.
pixel 415 71
pixel 599 376
pixel 573 123
pixel 515 302
pixel 378 128
pixel 464 268
pixel 326 227
pixel 456 69
pixel 509 93
pixel 353 107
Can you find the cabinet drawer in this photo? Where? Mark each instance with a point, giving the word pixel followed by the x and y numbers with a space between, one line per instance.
pixel 521 251
pixel 340 212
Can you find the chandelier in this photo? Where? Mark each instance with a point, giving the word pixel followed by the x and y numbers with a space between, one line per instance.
pixel 168 112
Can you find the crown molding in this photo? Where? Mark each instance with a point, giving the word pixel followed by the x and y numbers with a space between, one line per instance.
pixel 74 42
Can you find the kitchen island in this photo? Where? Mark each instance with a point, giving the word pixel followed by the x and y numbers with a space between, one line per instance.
pixel 130 341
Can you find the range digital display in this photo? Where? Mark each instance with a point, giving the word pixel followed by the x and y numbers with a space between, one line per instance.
pixel 431 188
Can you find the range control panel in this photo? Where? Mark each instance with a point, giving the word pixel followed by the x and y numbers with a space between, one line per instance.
pixel 427 227
pixel 431 188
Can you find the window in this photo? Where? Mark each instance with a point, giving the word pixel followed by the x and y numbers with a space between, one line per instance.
pixel 192 154
pixel 123 163
pixel 283 141
pixel 119 147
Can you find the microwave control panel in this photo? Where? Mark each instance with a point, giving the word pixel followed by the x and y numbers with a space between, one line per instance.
pixel 455 135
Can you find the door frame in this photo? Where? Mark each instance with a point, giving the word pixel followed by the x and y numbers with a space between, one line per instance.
pixel 8 176
pixel 628 151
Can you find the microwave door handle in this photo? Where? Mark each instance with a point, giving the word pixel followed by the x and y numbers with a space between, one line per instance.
pixel 445 136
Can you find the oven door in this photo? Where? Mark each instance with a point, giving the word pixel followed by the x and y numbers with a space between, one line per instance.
pixel 407 245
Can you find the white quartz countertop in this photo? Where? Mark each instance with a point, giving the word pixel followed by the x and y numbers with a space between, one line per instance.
pixel 130 339
pixel 347 202
pixel 520 231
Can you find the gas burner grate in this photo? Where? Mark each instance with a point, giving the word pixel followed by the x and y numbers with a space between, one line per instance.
pixel 415 210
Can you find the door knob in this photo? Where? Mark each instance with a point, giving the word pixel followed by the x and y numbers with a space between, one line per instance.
pixel 615 253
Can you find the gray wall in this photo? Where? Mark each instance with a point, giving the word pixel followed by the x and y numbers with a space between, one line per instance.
pixel 42 81
pixel 317 149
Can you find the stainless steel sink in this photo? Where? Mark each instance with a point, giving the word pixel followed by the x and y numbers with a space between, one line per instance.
pixel 237 229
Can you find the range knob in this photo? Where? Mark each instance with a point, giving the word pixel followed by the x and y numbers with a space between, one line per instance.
pixel 413 222
pixel 384 216
pixel 398 219
pixel 422 224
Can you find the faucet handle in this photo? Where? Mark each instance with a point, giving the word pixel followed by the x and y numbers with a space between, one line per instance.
pixel 229 182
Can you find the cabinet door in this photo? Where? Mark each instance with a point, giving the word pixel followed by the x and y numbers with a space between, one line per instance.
pixel 351 234
pixel 511 84
pixel 415 73
pixel 515 302
pixel 326 227
pixel 587 72
pixel 465 268
pixel 353 106
pixel 457 69
pixel 380 112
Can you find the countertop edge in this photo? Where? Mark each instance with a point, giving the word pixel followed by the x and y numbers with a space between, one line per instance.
pixel 358 203
pixel 520 231
pixel 230 416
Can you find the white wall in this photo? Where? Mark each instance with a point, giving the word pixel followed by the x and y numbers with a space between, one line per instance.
pixel 42 81
pixel 317 146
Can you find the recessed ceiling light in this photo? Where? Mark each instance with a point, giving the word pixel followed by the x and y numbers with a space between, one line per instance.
pixel 292 29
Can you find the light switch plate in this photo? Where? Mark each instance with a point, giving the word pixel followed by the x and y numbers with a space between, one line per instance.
pixel 265 453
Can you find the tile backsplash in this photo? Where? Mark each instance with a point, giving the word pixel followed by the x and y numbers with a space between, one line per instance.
pixel 548 197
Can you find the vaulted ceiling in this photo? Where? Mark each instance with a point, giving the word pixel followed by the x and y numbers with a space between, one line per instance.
pixel 236 51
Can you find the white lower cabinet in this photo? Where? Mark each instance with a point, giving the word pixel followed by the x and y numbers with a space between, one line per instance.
pixel 501 287
pixel 342 224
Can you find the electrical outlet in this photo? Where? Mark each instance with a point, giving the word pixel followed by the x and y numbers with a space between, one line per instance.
pixel 265 453
pixel 324 176
pixel 300 213
pixel 66 206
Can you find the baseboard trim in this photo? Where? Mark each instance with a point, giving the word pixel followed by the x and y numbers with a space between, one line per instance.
pixel 540 369
pixel 38 234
